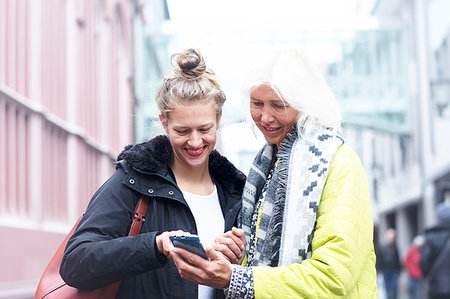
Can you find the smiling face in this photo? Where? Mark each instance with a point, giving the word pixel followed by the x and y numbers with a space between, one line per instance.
pixel 192 131
pixel 273 117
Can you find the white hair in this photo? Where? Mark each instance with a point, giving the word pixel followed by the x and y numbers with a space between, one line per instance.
pixel 298 81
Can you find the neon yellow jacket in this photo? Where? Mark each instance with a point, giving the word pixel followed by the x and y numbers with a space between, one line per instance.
pixel 343 257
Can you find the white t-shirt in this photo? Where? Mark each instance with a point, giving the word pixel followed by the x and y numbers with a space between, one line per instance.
pixel 210 224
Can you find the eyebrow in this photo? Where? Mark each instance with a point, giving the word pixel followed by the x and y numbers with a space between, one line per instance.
pixel 271 101
pixel 178 127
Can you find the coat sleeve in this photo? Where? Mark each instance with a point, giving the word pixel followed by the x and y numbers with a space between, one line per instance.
pixel 427 257
pixel 100 252
pixel 342 247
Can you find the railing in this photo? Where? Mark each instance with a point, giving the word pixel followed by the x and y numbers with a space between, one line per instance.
pixel 37 165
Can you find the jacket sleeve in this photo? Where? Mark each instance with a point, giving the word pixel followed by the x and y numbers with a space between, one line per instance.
pixel 100 252
pixel 342 247
pixel 427 257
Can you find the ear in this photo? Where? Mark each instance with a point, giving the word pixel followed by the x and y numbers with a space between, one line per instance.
pixel 219 117
pixel 164 123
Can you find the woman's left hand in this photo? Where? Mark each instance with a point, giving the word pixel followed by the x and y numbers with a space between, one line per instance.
pixel 215 272
pixel 232 245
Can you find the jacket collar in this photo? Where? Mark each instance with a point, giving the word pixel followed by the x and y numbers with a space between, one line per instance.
pixel 152 156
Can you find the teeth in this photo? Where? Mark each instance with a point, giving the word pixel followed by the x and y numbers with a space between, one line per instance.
pixel 270 129
pixel 195 151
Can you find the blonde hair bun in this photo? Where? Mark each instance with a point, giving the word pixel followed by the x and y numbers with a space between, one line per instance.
pixel 191 64
pixel 192 81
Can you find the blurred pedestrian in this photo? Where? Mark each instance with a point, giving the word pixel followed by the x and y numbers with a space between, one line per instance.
pixel 388 263
pixel 192 189
pixel 306 207
pixel 411 262
pixel 435 260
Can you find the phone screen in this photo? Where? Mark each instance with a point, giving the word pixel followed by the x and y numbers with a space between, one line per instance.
pixel 190 243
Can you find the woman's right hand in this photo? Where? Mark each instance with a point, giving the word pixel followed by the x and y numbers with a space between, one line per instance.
pixel 232 245
pixel 165 244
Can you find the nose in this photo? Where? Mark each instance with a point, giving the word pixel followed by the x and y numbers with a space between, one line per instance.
pixel 267 115
pixel 195 139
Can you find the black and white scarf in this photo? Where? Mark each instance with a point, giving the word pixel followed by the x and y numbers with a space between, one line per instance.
pixel 291 197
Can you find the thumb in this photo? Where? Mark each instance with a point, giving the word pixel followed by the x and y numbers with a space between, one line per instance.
pixel 239 232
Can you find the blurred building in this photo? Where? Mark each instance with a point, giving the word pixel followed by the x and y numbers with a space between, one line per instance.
pixel 151 63
pixel 66 110
pixel 403 140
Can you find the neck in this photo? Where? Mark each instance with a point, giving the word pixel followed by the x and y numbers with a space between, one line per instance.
pixel 196 180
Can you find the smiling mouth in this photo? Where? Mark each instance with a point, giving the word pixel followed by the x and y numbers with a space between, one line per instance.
pixel 270 130
pixel 195 152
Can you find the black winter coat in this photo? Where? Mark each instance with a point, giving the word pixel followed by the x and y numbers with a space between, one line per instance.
pixel 100 252
pixel 435 238
pixel 388 258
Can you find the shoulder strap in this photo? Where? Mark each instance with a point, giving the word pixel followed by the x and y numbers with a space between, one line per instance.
pixel 440 258
pixel 52 285
pixel 138 217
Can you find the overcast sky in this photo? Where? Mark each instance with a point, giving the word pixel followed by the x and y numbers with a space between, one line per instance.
pixel 267 10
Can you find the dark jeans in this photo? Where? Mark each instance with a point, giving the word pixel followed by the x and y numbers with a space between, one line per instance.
pixel 391 283
pixel 415 288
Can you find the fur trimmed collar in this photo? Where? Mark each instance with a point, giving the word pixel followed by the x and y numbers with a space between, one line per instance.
pixel 153 155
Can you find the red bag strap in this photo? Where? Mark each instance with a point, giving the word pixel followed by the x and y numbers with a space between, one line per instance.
pixel 52 285
pixel 138 217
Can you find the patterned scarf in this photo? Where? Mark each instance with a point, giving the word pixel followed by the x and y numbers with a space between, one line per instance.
pixel 291 197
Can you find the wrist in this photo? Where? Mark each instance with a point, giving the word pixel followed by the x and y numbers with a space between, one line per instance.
pixel 228 277
pixel 158 243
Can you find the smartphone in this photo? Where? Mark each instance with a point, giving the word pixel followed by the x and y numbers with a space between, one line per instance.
pixel 191 243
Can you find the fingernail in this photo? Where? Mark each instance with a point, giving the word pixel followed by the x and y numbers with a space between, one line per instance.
pixel 171 247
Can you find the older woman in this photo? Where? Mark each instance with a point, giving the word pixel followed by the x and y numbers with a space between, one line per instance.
pixel 306 208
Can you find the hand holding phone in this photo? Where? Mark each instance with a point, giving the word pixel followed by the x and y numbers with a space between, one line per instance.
pixel 191 243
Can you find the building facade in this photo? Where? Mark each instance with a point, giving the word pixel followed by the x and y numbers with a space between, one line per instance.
pixel 66 106
pixel 407 159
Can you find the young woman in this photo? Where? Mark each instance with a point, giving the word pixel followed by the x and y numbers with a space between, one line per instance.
pixel 192 189
pixel 306 210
